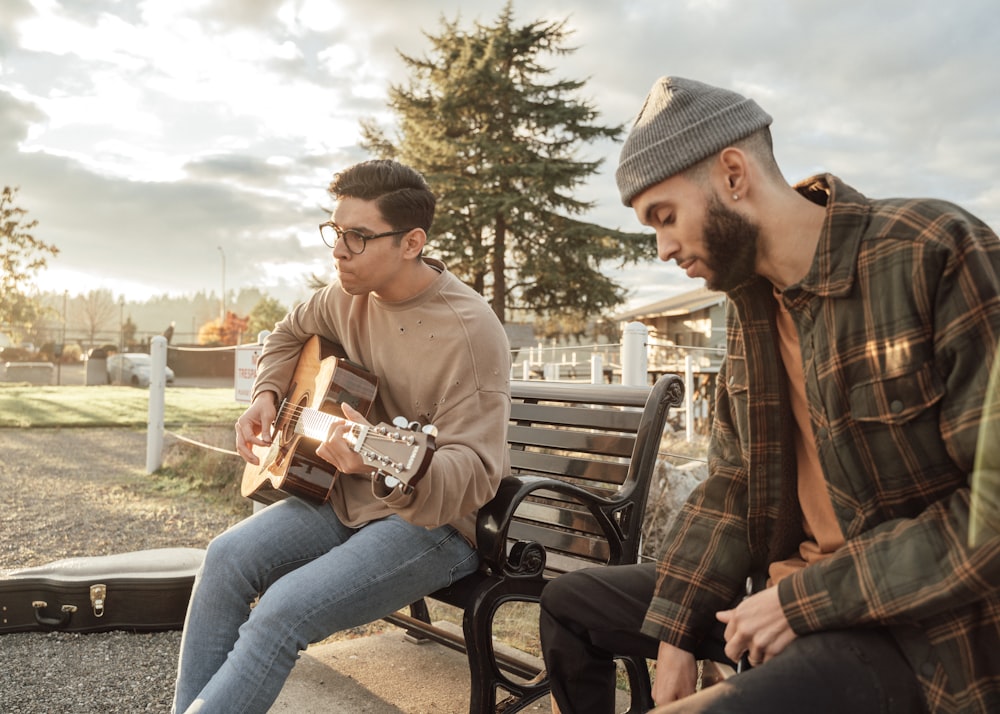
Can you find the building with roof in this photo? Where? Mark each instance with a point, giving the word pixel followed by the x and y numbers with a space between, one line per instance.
pixel 692 323
pixel 687 336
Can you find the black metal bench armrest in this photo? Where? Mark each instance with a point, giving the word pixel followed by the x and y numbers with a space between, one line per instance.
pixel 495 518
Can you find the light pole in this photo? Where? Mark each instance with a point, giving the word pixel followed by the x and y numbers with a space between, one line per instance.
pixel 62 341
pixel 121 336
pixel 222 300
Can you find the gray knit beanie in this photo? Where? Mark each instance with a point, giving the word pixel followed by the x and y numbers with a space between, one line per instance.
pixel 681 123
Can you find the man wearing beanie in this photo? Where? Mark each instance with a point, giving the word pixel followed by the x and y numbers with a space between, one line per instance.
pixel 860 337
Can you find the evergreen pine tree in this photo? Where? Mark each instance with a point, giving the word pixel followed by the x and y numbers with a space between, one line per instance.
pixel 499 142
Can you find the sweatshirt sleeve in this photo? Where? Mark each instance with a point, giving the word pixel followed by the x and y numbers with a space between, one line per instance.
pixel 282 347
pixel 467 466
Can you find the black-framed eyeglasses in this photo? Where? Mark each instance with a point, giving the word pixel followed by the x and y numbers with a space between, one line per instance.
pixel 354 240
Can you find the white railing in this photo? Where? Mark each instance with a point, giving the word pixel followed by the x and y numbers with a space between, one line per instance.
pixel 636 358
pixel 564 364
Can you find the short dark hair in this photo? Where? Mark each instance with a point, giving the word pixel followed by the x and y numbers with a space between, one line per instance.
pixel 759 144
pixel 401 193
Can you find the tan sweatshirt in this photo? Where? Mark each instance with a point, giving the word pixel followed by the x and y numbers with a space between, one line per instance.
pixel 442 357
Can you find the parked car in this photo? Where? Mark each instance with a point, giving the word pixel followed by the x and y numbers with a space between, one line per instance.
pixel 132 368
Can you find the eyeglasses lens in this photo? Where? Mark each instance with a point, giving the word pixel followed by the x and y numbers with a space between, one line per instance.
pixel 353 240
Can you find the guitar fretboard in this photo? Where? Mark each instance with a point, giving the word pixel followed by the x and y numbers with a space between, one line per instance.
pixel 315 424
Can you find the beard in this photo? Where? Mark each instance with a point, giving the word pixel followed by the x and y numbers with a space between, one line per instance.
pixel 731 245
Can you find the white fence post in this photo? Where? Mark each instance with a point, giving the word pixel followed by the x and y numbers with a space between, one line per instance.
pixel 261 336
pixel 596 368
pixel 157 388
pixel 634 338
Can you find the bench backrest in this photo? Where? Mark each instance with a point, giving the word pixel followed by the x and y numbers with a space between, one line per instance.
pixel 604 439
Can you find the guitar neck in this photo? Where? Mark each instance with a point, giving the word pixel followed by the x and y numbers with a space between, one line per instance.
pixel 314 424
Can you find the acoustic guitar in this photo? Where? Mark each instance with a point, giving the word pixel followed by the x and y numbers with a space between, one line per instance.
pixel 323 380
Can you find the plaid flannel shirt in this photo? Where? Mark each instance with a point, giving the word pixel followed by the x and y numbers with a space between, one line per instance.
pixel 898 322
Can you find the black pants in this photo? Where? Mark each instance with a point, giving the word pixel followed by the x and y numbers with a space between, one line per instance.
pixel 589 616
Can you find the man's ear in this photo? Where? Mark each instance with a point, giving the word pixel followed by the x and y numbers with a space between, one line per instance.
pixel 734 172
pixel 413 243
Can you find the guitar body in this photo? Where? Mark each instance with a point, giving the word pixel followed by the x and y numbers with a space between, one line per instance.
pixel 322 381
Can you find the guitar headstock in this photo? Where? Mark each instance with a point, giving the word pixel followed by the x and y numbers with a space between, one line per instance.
pixel 399 454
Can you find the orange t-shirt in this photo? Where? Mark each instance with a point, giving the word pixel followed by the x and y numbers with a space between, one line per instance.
pixel 820 523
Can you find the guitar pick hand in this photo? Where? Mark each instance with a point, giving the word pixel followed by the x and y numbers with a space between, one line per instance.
pixel 250 427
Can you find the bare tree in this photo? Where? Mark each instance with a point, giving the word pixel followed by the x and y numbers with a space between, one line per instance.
pixel 96 312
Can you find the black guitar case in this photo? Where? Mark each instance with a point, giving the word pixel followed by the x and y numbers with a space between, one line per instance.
pixel 141 591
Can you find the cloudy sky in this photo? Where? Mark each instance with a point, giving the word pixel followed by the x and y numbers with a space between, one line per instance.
pixel 166 146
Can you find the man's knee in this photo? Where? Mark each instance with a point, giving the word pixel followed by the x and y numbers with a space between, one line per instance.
pixel 223 550
pixel 565 593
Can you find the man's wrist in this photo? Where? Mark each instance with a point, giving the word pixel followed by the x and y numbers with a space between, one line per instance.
pixel 273 395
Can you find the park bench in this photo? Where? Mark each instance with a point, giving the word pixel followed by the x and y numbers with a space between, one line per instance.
pixel 582 458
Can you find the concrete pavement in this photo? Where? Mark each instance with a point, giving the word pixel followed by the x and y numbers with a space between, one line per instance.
pixel 380 674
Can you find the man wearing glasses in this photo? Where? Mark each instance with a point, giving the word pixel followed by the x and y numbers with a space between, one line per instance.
pixel 299 571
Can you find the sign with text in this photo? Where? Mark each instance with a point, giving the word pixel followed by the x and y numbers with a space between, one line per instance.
pixel 246 371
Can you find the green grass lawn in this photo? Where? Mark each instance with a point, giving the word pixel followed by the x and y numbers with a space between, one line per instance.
pixel 23 405
pixel 203 415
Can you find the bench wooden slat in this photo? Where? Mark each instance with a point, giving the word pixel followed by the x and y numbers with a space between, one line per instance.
pixel 591 548
pixel 625 420
pixel 556 516
pixel 556 465
pixel 587 442
pixel 579 393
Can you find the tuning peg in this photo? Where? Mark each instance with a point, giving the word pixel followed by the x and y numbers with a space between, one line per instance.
pixel 400 422
pixel 430 430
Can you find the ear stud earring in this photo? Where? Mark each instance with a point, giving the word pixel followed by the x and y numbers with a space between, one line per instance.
pixel 736 197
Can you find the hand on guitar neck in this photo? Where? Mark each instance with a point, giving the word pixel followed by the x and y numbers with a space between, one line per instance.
pixel 338 448
pixel 394 455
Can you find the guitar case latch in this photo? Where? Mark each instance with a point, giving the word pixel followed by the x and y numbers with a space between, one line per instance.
pixel 98 593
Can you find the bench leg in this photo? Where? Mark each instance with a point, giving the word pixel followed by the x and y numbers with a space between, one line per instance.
pixel 418 611
pixel 640 688
pixel 486 674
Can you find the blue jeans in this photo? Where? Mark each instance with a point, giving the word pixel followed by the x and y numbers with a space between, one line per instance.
pixel 317 577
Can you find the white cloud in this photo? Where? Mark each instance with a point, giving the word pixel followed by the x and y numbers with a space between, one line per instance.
pixel 318 15
pixel 145 133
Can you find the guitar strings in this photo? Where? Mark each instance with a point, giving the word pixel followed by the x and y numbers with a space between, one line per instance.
pixel 294 411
